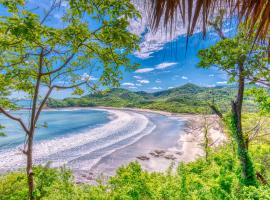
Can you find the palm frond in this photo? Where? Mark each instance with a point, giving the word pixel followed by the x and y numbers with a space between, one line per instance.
pixel 252 12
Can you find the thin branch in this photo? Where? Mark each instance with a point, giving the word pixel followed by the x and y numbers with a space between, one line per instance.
pixel 15 119
pixel 69 87
pixel 43 103
pixel 61 67
pixel 35 97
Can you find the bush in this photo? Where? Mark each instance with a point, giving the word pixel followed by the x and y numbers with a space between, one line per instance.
pixel 217 178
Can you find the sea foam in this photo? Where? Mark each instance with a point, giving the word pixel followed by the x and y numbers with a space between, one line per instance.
pixel 83 150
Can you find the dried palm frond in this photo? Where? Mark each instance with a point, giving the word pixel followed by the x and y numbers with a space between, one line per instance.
pixel 253 12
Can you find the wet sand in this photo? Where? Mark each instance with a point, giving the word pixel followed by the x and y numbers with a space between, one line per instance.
pixel 170 142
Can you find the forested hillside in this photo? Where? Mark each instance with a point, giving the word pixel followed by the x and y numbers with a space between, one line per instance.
pixel 188 98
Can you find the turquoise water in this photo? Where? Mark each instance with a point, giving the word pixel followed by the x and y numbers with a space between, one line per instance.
pixel 80 139
pixel 60 123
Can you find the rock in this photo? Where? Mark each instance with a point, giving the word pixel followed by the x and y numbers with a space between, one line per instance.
pixel 143 158
pixel 180 153
pixel 170 157
pixel 157 153
pixel 154 154
pixel 160 152
pixel 89 178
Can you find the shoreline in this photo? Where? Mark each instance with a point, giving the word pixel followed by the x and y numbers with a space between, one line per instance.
pixel 148 149
pixel 188 148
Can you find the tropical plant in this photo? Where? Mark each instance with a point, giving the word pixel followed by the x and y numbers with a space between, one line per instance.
pixel 195 11
pixel 36 55
pixel 234 56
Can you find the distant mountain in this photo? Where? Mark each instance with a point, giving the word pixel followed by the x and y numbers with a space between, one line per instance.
pixel 188 98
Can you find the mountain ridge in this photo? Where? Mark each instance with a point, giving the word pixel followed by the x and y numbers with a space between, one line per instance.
pixel 188 98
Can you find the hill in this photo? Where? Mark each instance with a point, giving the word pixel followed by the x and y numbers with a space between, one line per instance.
pixel 188 98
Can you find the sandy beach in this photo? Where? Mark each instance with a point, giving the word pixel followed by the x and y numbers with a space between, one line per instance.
pixel 156 139
pixel 155 155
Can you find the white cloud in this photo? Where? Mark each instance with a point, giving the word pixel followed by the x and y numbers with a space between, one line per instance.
pixel 153 41
pixel 65 4
pixel 138 84
pixel 132 87
pixel 87 77
pixel 144 70
pixel 210 85
pixel 221 82
pixel 184 77
pixel 137 77
pixel 170 87
pixel 165 65
pixel 143 81
pixel 211 75
pixel 128 84
pixel 158 81
pixel 156 88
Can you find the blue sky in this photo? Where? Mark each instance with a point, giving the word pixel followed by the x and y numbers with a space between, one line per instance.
pixel 164 62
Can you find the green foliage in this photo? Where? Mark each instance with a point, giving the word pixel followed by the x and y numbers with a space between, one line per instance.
pixel 262 97
pixel 59 56
pixel 242 152
pixel 215 179
pixel 2 134
pixel 228 53
pixel 188 98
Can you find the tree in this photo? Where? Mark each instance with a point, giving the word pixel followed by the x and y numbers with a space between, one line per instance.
pixel 242 60
pixel 36 55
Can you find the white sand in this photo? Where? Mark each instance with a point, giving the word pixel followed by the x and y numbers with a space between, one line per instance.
pixel 189 146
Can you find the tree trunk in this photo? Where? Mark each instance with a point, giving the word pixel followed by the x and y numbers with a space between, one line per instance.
pixel 236 125
pixel 29 167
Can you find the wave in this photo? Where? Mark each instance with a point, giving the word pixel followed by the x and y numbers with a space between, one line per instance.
pixel 126 127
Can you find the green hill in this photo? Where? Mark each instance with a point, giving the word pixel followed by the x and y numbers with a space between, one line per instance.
pixel 188 98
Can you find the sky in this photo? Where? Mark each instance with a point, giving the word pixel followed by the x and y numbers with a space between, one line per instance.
pixel 164 61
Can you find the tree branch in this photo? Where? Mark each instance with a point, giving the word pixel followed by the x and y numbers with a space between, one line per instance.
pixel 15 119
pixel 69 87
pixel 43 103
pixel 61 67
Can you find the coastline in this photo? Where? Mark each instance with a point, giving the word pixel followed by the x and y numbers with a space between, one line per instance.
pixel 188 147
pixel 171 139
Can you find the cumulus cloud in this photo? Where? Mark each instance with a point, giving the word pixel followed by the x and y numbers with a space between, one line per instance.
pixel 221 82
pixel 144 70
pixel 143 81
pixel 153 41
pixel 87 77
pixel 64 4
pixel 184 77
pixel 128 84
pixel 211 75
pixel 132 87
pixel 170 87
pixel 210 85
pixel 137 77
pixel 165 65
pixel 156 88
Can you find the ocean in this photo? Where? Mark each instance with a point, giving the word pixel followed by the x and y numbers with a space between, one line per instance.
pixel 52 124
pixel 82 138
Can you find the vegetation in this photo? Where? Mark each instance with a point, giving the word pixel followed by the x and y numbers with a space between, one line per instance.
pixel 36 56
pixel 216 178
pixel 255 14
pixel 242 60
pixel 188 98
